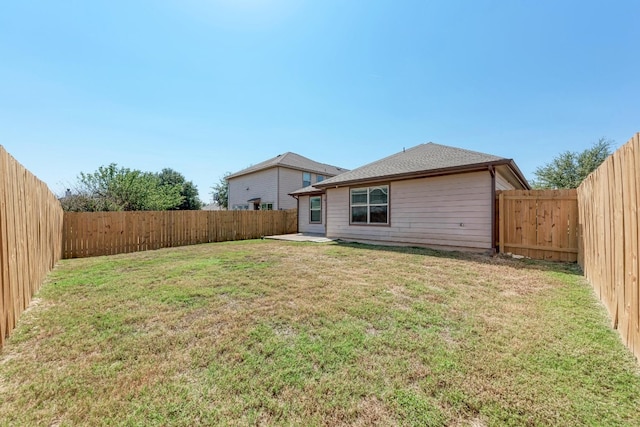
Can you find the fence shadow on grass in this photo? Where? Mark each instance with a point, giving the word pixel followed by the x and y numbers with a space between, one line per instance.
pixel 529 264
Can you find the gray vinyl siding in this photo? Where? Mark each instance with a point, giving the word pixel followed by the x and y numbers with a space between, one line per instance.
pixel 261 184
pixel 502 183
pixel 303 217
pixel 451 211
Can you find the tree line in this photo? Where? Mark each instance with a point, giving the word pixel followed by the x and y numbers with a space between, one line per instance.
pixel 570 168
pixel 114 188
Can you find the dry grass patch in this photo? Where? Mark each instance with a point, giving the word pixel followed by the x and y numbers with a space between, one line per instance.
pixel 278 333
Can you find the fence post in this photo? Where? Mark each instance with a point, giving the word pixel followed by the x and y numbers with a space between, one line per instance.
pixel 501 220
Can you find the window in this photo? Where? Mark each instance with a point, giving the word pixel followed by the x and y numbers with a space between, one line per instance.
pixel 240 207
pixel 315 209
pixel 319 178
pixel 370 205
pixel 266 207
pixel 306 179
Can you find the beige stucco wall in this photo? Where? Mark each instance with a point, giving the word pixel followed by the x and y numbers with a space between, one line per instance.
pixel 451 211
pixel 303 216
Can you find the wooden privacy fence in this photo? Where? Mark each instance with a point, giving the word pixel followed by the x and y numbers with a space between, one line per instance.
pixel 87 234
pixel 30 238
pixel 608 201
pixel 540 224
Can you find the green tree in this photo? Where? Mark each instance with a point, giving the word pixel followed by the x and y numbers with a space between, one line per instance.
pixel 569 169
pixel 220 191
pixel 111 188
pixel 78 202
pixel 188 190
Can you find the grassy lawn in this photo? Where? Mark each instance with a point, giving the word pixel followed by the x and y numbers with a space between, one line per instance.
pixel 277 333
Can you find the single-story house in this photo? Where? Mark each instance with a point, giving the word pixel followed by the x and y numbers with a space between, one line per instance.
pixel 430 195
pixel 266 185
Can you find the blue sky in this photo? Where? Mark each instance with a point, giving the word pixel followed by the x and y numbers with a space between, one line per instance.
pixel 205 86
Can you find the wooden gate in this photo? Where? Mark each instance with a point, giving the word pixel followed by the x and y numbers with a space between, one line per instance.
pixel 540 224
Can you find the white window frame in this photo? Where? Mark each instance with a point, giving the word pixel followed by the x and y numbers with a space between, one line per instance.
pixel 266 206
pixel 368 205
pixel 319 178
pixel 306 183
pixel 311 210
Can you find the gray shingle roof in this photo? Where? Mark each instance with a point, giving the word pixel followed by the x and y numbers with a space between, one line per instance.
pixel 422 158
pixel 293 161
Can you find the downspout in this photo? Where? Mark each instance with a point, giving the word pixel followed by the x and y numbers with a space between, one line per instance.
pixel 278 189
pixel 297 213
pixel 492 171
pixel 323 200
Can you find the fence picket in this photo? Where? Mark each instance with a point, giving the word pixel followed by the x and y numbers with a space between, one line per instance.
pixel 540 224
pixel 30 238
pixel 609 215
pixel 101 233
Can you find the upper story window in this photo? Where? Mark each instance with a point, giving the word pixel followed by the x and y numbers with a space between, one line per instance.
pixel 306 179
pixel 370 205
pixel 319 178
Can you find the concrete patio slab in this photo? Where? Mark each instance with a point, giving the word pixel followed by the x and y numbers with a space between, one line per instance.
pixel 302 237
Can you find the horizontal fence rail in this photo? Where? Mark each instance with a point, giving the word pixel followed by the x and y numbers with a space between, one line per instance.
pixel 540 224
pixel 88 234
pixel 609 215
pixel 30 238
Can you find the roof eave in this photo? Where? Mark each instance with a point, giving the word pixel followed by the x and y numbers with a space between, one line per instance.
pixel 427 173
pixel 318 172
pixel 518 173
pixel 243 172
pixel 306 193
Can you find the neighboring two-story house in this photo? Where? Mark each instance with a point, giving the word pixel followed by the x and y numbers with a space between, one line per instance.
pixel 267 185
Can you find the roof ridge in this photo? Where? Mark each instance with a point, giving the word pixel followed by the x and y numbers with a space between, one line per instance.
pixel 416 160
pixel 292 160
pixel 404 150
pixel 280 157
pixel 463 149
pixel 311 160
